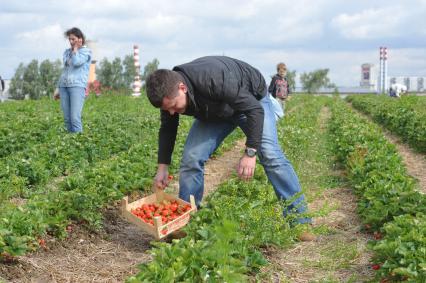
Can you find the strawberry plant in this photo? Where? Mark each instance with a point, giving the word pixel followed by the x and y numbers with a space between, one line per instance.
pixel 405 117
pixel 388 201
pixel 402 251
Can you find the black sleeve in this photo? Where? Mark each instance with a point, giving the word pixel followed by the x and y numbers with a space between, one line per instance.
pixel 271 88
pixel 246 103
pixel 167 136
pixel 242 100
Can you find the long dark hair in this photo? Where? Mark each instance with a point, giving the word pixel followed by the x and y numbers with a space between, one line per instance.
pixel 77 32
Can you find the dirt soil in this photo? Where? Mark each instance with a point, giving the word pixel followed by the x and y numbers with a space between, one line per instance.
pixel 414 162
pixel 320 259
pixel 341 254
pixel 111 255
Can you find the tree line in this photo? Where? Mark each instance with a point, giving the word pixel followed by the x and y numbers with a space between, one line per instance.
pixel 39 80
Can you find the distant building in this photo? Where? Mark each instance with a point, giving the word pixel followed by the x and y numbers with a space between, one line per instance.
pixel 421 83
pixel 368 77
pixel 91 44
pixel 413 84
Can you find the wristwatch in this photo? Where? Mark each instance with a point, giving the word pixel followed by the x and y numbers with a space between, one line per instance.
pixel 251 152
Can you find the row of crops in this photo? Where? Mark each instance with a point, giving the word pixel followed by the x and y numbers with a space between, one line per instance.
pixel 390 204
pixel 405 117
pixel 49 179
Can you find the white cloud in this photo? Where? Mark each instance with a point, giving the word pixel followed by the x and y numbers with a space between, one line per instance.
pixel 306 35
pixel 388 21
pixel 41 36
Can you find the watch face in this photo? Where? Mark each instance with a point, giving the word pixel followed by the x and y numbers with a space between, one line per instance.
pixel 250 152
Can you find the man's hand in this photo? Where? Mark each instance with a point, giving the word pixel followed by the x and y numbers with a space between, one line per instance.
pixel 161 180
pixel 246 167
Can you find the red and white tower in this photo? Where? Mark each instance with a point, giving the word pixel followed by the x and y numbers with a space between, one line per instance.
pixel 383 72
pixel 137 81
pixel 385 69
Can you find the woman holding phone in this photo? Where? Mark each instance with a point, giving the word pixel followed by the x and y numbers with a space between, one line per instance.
pixel 73 80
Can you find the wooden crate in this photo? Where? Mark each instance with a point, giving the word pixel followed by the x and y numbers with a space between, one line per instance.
pixel 158 230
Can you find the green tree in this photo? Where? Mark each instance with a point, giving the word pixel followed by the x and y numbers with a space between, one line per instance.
pixel 32 85
pixel 129 71
pixel 149 68
pixel 49 76
pixel 104 73
pixel 121 74
pixel 313 81
pixel 117 74
pixel 35 80
pixel 291 79
pixel 16 89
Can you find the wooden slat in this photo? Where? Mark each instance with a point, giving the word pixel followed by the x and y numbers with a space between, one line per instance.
pixel 156 229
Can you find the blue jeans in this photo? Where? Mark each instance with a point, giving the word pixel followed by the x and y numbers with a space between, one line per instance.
pixel 72 101
pixel 205 137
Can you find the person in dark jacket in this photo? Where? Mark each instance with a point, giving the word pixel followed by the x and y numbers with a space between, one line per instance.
pixel 222 93
pixel 279 87
pixel 1 85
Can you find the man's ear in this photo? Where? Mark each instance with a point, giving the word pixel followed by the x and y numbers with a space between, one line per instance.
pixel 183 87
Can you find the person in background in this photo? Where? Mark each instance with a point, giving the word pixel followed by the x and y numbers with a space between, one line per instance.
pixel 222 94
pixel 279 87
pixel 396 90
pixel 73 80
pixel 1 85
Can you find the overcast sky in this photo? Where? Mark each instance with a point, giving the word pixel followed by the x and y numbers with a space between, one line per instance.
pixel 306 35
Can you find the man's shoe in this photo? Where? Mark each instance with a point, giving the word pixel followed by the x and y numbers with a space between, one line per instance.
pixel 306 236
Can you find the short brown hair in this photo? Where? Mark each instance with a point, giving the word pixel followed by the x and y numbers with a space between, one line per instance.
pixel 281 66
pixel 160 84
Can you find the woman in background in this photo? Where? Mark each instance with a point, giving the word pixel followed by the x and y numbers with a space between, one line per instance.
pixel 73 80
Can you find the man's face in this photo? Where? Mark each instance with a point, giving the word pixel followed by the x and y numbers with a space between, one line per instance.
pixel 176 104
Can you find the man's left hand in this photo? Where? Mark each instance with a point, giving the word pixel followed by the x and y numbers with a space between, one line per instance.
pixel 246 167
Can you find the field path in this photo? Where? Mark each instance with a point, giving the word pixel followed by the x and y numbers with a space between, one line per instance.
pixel 340 253
pixel 414 161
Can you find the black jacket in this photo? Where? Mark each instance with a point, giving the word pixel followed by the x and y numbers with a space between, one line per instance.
pixel 219 87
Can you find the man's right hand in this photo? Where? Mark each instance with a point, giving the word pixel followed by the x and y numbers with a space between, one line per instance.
pixel 161 180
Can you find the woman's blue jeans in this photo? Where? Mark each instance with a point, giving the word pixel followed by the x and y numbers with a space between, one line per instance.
pixel 205 137
pixel 72 101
